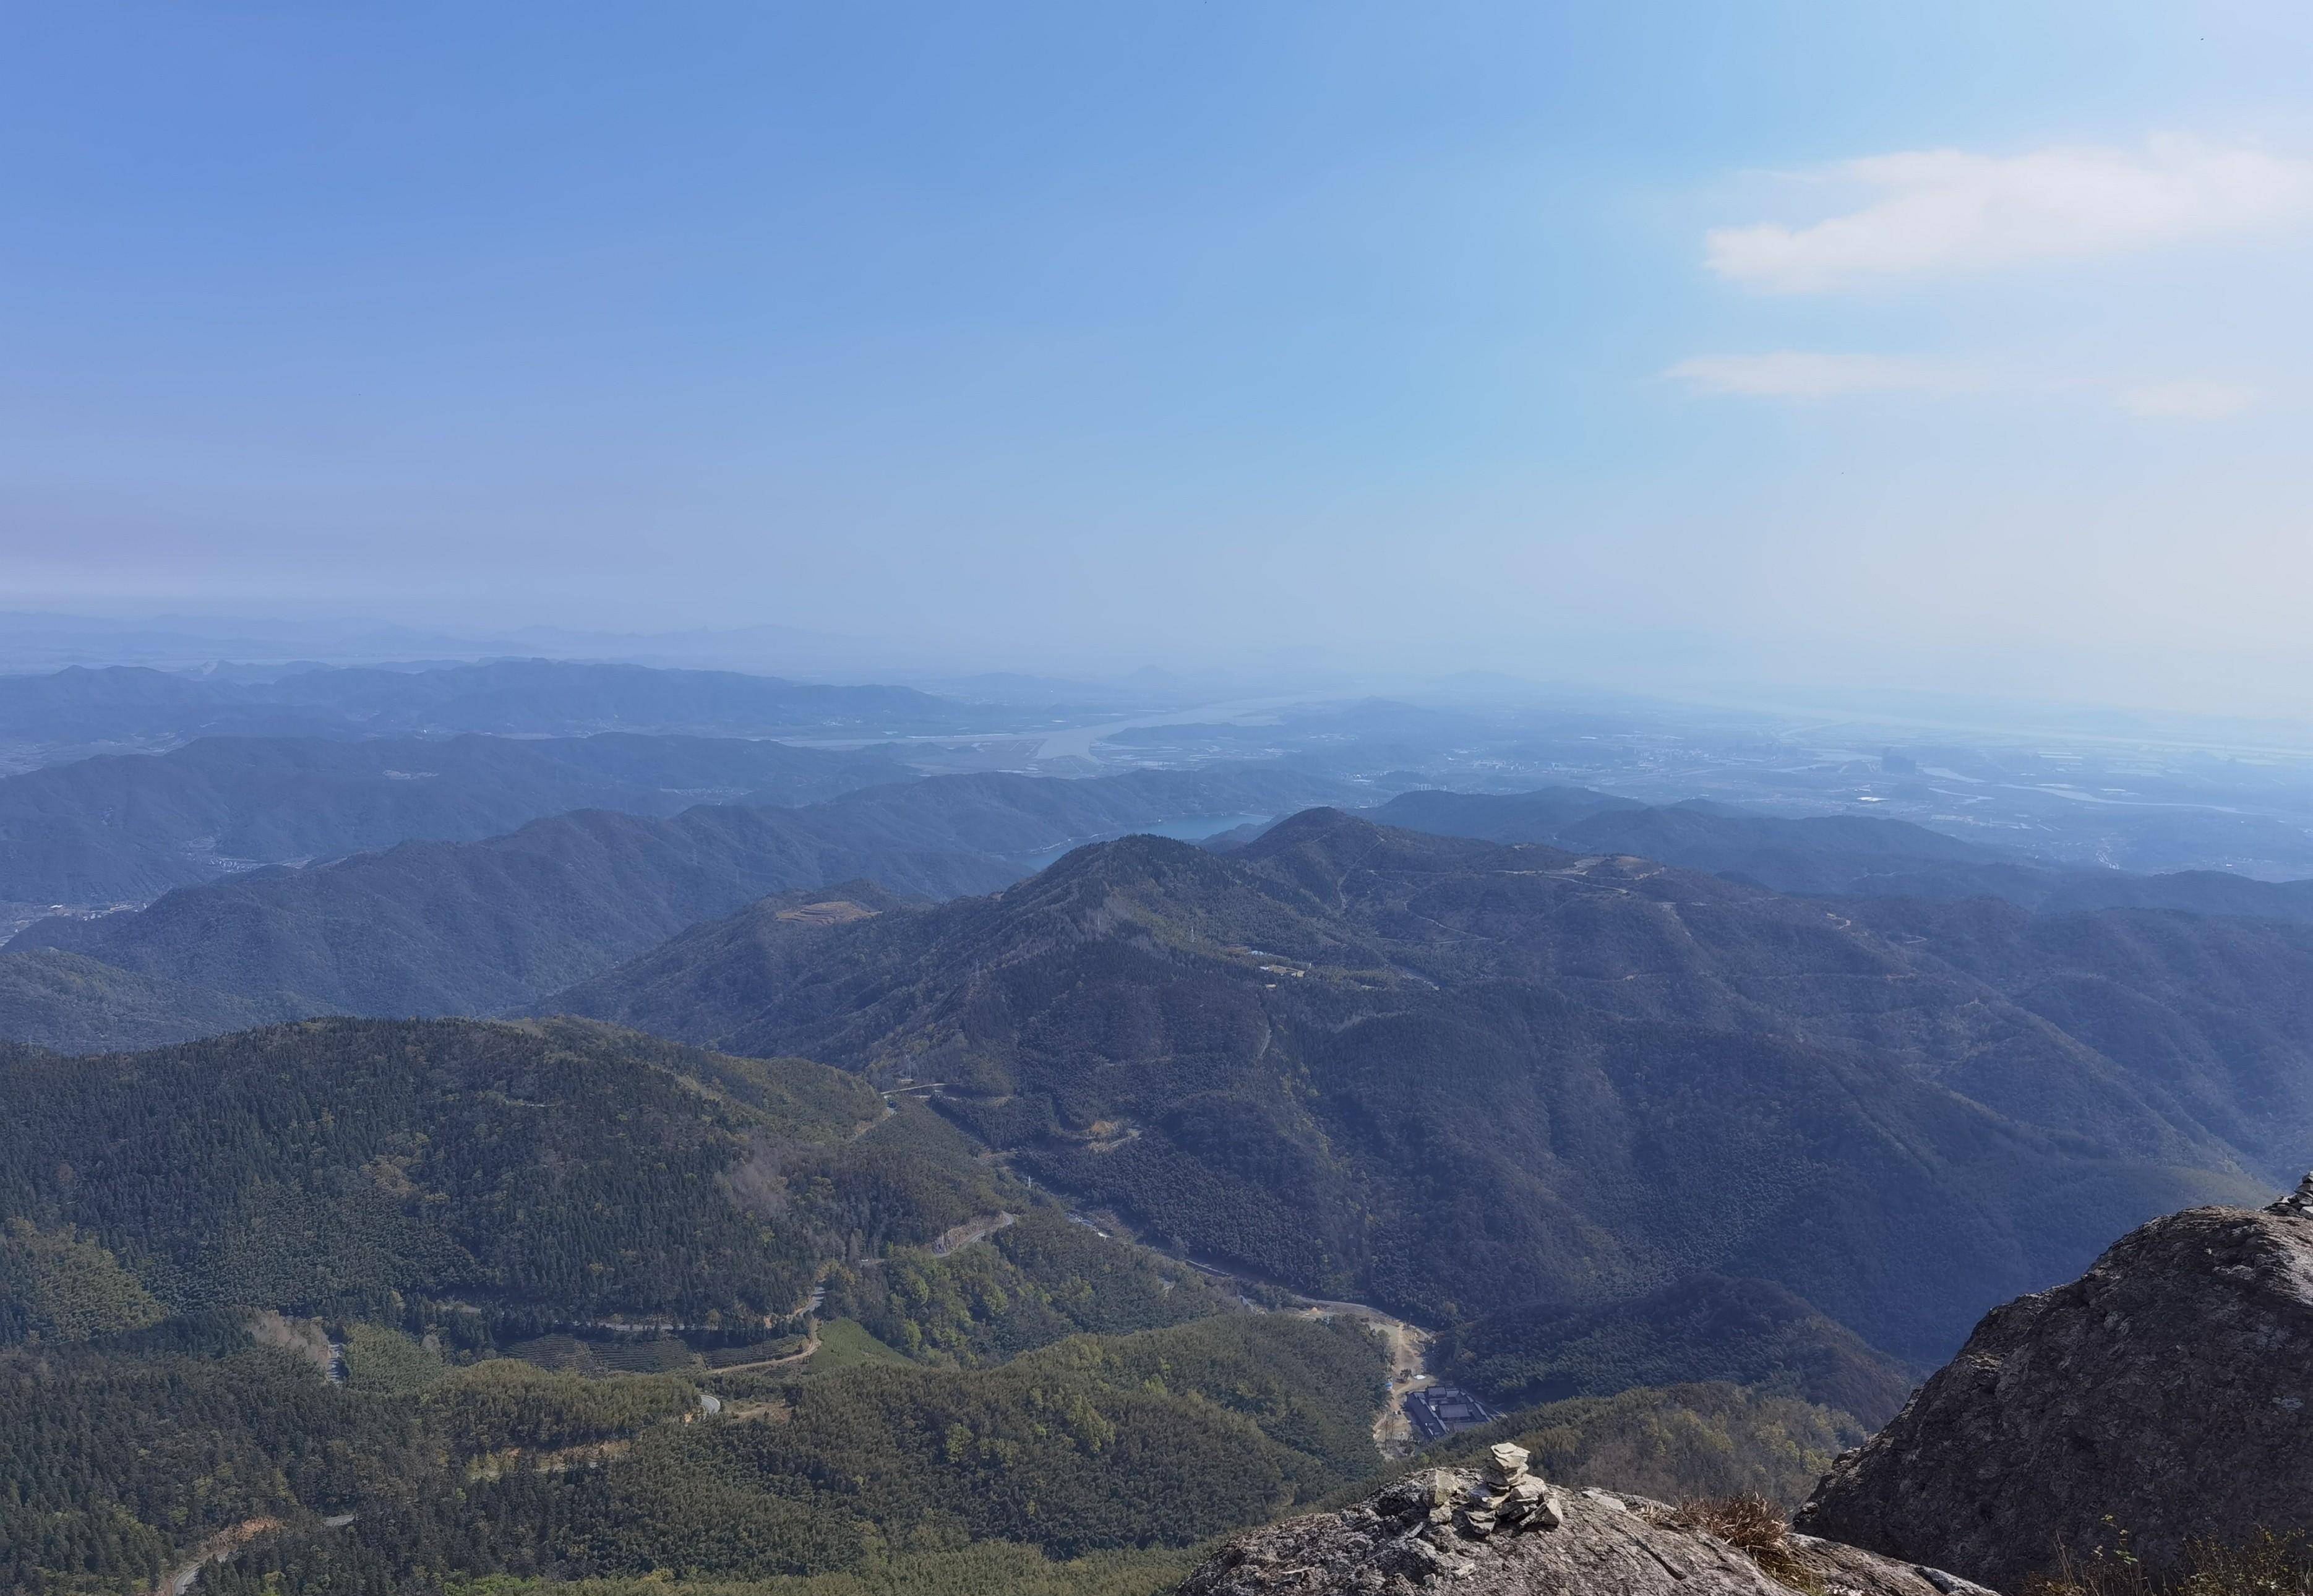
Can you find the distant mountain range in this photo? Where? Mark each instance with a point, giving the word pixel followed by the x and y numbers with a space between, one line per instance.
pixel 128 827
pixel 84 707
pixel 1463 1078
pixel 481 927
pixel 1838 856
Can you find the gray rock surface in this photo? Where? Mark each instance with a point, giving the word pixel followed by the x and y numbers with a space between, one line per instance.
pixel 1407 1539
pixel 2167 1391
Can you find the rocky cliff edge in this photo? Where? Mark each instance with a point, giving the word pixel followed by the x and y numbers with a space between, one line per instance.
pixel 2167 1393
pixel 1420 1534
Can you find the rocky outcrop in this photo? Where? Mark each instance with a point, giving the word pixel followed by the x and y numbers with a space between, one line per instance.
pixel 2168 1392
pixel 1506 1534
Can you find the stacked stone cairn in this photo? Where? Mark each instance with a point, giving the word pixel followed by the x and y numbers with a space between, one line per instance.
pixel 2299 1202
pixel 1505 1496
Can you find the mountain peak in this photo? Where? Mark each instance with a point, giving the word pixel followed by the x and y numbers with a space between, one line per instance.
pixel 1344 836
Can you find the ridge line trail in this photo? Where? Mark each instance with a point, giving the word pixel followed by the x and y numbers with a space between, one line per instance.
pixel 961 1236
pixel 972 1230
pixel 810 1346
pixel 1408 1347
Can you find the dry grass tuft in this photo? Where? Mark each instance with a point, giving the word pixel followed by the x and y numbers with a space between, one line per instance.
pixel 1756 1528
pixel 2270 1565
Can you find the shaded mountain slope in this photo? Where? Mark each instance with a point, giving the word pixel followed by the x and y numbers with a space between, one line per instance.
pixel 131 827
pixel 1468 1078
pixel 2214 1013
pixel 485 926
pixel 71 1004
pixel 1707 1327
pixel 1413 913
pixel 432 927
pixel 687 985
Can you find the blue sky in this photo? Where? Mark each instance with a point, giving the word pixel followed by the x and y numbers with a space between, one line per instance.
pixel 1959 345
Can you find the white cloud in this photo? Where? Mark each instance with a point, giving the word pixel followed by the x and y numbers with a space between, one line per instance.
pixel 1946 211
pixel 1797 374
pixel 2186 401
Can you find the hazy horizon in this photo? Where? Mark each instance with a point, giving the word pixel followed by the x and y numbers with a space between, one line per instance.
pixel 1679 351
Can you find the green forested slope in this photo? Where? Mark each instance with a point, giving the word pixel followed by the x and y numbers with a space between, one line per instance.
pixel 113 1464
pixel 1461 1078
pixel 409 1203
pixel 335 1164
pixel 1162 1437
pixel 1540 1098
pixel 120 1457
pixel 1036 1281
pixel 991 1568
pixel 61 1284
pixel 1704 1327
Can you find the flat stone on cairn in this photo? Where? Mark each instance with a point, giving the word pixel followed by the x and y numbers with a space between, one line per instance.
pixel 1508 1496
pixel 2299 1202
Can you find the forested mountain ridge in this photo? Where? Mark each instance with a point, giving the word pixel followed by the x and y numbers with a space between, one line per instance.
pixel 1462 1077
pixel 1406 913
pixel 474 928
pixel 483 927
pixel 131 827
pixel 344 1165
pixel 84 705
